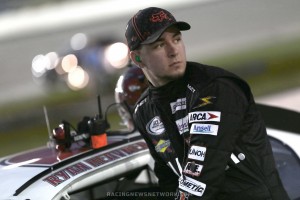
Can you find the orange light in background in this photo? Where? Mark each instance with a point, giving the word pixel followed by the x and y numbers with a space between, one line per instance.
pixel 78 79
pixel 59 70
pixel 69 63
pixel 117 55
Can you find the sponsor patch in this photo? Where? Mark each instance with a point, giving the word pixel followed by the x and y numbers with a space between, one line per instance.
pixel 183 125
pixel 155 126
pixel 179 104
pixel 205 101
pixel 197 153
pixel 162 146
pixel 193 169
pixel 191 186
pixel 213 116
pixel 204 129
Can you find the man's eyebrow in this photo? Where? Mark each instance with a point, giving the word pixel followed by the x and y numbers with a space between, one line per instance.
pixel 162 39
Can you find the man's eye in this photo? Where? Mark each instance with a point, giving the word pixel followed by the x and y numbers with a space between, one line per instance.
pixel 159 45
pixel 177 39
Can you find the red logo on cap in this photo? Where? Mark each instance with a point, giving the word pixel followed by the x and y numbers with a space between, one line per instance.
pixel 159 17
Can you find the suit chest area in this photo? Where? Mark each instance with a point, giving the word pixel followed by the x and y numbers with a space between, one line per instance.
pixel 165 124
pixel 175 118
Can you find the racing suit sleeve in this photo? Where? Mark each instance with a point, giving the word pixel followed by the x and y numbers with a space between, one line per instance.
pixel 167 179
pixel 214 129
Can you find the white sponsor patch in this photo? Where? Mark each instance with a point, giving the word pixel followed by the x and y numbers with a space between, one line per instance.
pixel 197 153
pixel 179 104
pixel 205 129
pixel 192 186
pixel 193 169
pixel 183 124
pixel 155 126
pixel 213 116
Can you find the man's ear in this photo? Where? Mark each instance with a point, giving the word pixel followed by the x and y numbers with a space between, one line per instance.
pixel 135 58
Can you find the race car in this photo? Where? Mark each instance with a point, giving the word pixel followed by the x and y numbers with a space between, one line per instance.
pixel 70 167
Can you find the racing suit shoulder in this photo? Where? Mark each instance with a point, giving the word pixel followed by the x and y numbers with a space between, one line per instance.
pixel 201 75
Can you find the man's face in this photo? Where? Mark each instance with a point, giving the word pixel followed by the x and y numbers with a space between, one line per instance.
pixel 164 60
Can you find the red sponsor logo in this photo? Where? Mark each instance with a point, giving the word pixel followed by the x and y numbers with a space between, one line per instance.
pixel 94 162
pixel 159 17
pixel 63 175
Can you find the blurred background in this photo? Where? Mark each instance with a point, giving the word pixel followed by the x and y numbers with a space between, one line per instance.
pixel 61 54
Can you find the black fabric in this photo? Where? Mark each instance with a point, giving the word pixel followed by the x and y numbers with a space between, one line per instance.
pixel 205 131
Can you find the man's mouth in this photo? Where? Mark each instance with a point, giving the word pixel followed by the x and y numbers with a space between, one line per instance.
pixel 175 63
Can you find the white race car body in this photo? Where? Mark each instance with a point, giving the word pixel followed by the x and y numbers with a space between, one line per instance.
pixel 46 173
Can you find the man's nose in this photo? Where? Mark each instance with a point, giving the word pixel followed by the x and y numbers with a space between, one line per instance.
pixel 172 49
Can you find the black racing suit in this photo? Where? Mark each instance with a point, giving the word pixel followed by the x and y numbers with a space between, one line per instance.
pixel 207 138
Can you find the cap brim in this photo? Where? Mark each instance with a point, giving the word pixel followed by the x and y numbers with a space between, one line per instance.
pixel 183 26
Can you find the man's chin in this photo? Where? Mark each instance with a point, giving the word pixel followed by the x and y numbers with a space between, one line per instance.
pixel 177 75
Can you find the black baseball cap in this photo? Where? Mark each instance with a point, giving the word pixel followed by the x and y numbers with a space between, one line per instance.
pixel 147 25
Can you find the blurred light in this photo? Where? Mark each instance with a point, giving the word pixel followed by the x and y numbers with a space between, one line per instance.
pixel 69 62
pixel 59 70
pixel 119 88
pixel 78 78
pixel 53 59
pixel 40 64
pixel 117 55
pixel 79 41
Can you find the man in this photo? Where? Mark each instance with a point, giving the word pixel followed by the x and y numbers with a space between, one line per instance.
pixel 200 122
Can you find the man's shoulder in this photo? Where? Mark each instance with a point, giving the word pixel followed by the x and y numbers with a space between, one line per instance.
pixel 201 75
pixel 142 100
pixel 208 70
